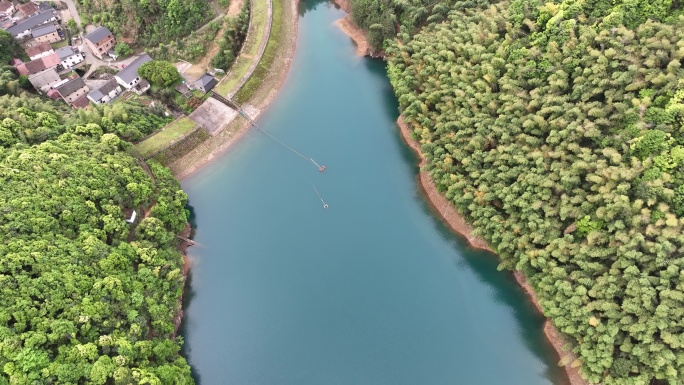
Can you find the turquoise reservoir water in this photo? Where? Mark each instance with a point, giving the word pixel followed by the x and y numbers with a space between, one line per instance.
pixel 374 289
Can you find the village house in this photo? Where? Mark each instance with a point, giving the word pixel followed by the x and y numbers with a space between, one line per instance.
pixel 205 83
pixel 6 8
pixel 43 80
pixel 39 50
pixel 81 102
pixel 40 64
pixel 72 90
pixel 46 33
pixel 141 87
pixel 183 89
pixel 69 56
pixel 27 10
pixel 107 92
pixel 54 86
pixel 23 28
pixel 128 77
pixel 100 40
pixel 5 24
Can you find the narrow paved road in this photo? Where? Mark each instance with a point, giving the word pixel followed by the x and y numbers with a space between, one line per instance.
pixel 71 6
pixel 91 59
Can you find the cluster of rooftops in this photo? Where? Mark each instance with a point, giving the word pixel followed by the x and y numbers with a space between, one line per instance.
pixel 37 26
pixel 39 20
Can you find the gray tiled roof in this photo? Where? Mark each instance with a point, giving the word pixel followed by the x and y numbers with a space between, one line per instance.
pixel 43 30
pixel 182 88
pixel 70 87
pixel 65 52
pixel 31 22
pixel 104 90
pixel 96 95
pixel 206 81
pixel 44 6
pixel 130 72
pixel 95 36
pixel 109 86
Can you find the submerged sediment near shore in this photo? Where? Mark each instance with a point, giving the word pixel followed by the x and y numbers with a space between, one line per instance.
pixel 357 34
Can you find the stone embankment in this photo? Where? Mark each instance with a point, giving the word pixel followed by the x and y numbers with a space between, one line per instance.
pixel 210 149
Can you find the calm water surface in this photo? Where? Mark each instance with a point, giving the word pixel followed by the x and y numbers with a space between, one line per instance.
pixel 372 290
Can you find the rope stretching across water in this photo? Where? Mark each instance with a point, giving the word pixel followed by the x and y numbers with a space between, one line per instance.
pixel 325 205
pixel 278 140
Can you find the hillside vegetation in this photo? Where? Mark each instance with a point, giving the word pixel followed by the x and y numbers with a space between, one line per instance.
pixel 232 39
pixel 557 130
pixel 86 297
pixel 10 82
pixel 147 23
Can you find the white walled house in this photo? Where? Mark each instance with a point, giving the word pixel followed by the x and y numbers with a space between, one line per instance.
pixel 69 56
pixel 107 92
pixel 128 77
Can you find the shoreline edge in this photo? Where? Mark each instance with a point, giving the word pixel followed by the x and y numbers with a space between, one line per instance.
pixel 459 225
pixel 437 201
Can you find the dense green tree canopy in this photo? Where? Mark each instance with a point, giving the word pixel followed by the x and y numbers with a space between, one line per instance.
pixel 159 72
pixel 147 22
pixel 130 120
pixel 382 19
pixel 123 49
pixel 9 81
pixel 9 48
pixel 234 35
pixel 557 130
pixel 86 297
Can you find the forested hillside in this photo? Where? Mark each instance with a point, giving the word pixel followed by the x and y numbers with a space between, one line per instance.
pixel 147 23
pixel 9 79
pixel 234 36
pixel 86 297
pixel 382 19
pixel 557 130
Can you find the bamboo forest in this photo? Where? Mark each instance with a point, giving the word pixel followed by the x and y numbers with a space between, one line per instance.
pixel 556 129
pixel 84 295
